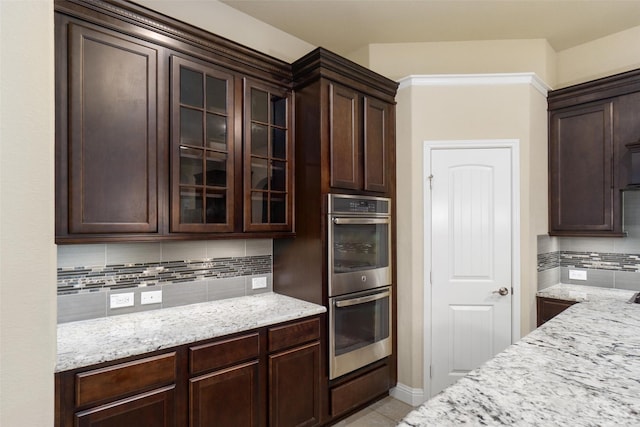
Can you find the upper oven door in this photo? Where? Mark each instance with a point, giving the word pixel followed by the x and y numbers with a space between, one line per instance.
pixel 359 254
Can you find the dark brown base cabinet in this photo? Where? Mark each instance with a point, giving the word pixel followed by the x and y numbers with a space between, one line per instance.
pixel 548 308
pixel 164 131
pixel 590 125
pixel 269 376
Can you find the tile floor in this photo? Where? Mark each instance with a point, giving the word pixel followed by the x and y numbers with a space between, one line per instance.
pixel 384 413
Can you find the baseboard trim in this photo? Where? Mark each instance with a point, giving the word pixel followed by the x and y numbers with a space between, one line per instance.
pixel 408 395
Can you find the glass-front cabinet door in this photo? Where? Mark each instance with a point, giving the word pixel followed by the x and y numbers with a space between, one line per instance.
pixel 202 145
pixel 268 175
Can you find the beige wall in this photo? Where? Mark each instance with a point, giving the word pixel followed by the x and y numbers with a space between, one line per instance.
pixel 225 21
pixel 600 58
pixel 27 251
pixel 456 112
pixel 398 60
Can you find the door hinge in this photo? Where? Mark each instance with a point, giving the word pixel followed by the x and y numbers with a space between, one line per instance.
pixel 430 178
pixel 430 371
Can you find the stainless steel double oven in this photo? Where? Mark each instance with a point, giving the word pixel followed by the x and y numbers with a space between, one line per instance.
pixel 359 244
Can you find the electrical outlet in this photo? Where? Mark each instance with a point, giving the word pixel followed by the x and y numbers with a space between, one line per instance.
pixel 577 275
pixel 151 297
pixel 258 283
pixel 121 300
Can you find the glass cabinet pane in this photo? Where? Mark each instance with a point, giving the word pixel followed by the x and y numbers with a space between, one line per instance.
pixel 216 132
pixel 216 212
pixel 259 211
pixel 279 115
pixel 278 209
pixel 190 127
pixel 190 205
pixel 259 140
pixel 216 169
pixel 278 176
pixel 216 95
pixel 259 106
pixel 268 160
pixel 191 92
pixel 190 166
pixel 279 143
pixel 201 148
pixel 259 174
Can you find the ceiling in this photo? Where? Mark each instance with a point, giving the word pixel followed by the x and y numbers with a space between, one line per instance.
pixel 344 26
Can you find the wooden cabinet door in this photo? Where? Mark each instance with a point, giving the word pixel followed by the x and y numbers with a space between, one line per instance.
pixel 294 387
pixel 268 158
pixel 548 308
pixel 345 140
pixel 155 408
pixel 110 153
pixel 581 187
pixel 203 141
pixel 228 397
pixel 378 134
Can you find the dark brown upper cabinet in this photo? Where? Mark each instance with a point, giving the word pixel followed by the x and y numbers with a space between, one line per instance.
pixel 203 146
pixel 581 169
pixel 268 158
pixel 347 116
pixel 165 131
pixel 589 127
pixel 108 168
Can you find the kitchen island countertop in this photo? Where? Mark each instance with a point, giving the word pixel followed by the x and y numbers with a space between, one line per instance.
pixel 89 342
pixel 581 368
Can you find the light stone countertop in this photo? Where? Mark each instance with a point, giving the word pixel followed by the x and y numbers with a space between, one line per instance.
pixel 581 368
pixel 89 342
pixel 582 293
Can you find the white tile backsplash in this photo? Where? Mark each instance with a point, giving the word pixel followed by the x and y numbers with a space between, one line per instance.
pixel 226 248
pixel 133 253
pixel 81 255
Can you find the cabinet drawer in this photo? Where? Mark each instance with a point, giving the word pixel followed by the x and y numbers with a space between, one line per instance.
pixel 216 355
pixel 294 334
pixel 125 379
pixel 360 390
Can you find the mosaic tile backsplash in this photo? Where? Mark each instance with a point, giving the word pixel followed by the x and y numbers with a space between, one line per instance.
pixel 589 260
pixel 119 276
pixel 185 272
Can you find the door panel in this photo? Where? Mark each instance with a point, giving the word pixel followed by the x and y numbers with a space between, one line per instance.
pixel 112 132
pixel 344 139
pixel 471 259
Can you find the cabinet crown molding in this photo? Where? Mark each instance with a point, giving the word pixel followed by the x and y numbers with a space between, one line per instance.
pixel 492 79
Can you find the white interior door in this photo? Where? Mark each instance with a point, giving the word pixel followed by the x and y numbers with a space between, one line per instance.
pixel 471 259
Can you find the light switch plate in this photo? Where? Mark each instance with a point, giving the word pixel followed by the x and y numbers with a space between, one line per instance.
pixel 258 283
pixel 151 297
pixel 121 300
pixel 577 275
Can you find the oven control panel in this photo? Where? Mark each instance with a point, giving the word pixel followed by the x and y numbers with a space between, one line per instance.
pixel 358 205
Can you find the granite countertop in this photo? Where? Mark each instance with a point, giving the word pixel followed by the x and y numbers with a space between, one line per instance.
pixel 581 368
pixel 88 342
pixel 582 293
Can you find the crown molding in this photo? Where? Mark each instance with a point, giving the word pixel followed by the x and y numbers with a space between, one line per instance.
pixel 495 79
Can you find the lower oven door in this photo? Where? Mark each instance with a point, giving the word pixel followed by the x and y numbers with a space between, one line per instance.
pixel 359 330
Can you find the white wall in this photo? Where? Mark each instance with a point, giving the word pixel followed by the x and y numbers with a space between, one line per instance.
pixel 27 251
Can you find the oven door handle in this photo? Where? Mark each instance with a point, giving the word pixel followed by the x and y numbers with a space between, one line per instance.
pixel 339 221
pixel 362 300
